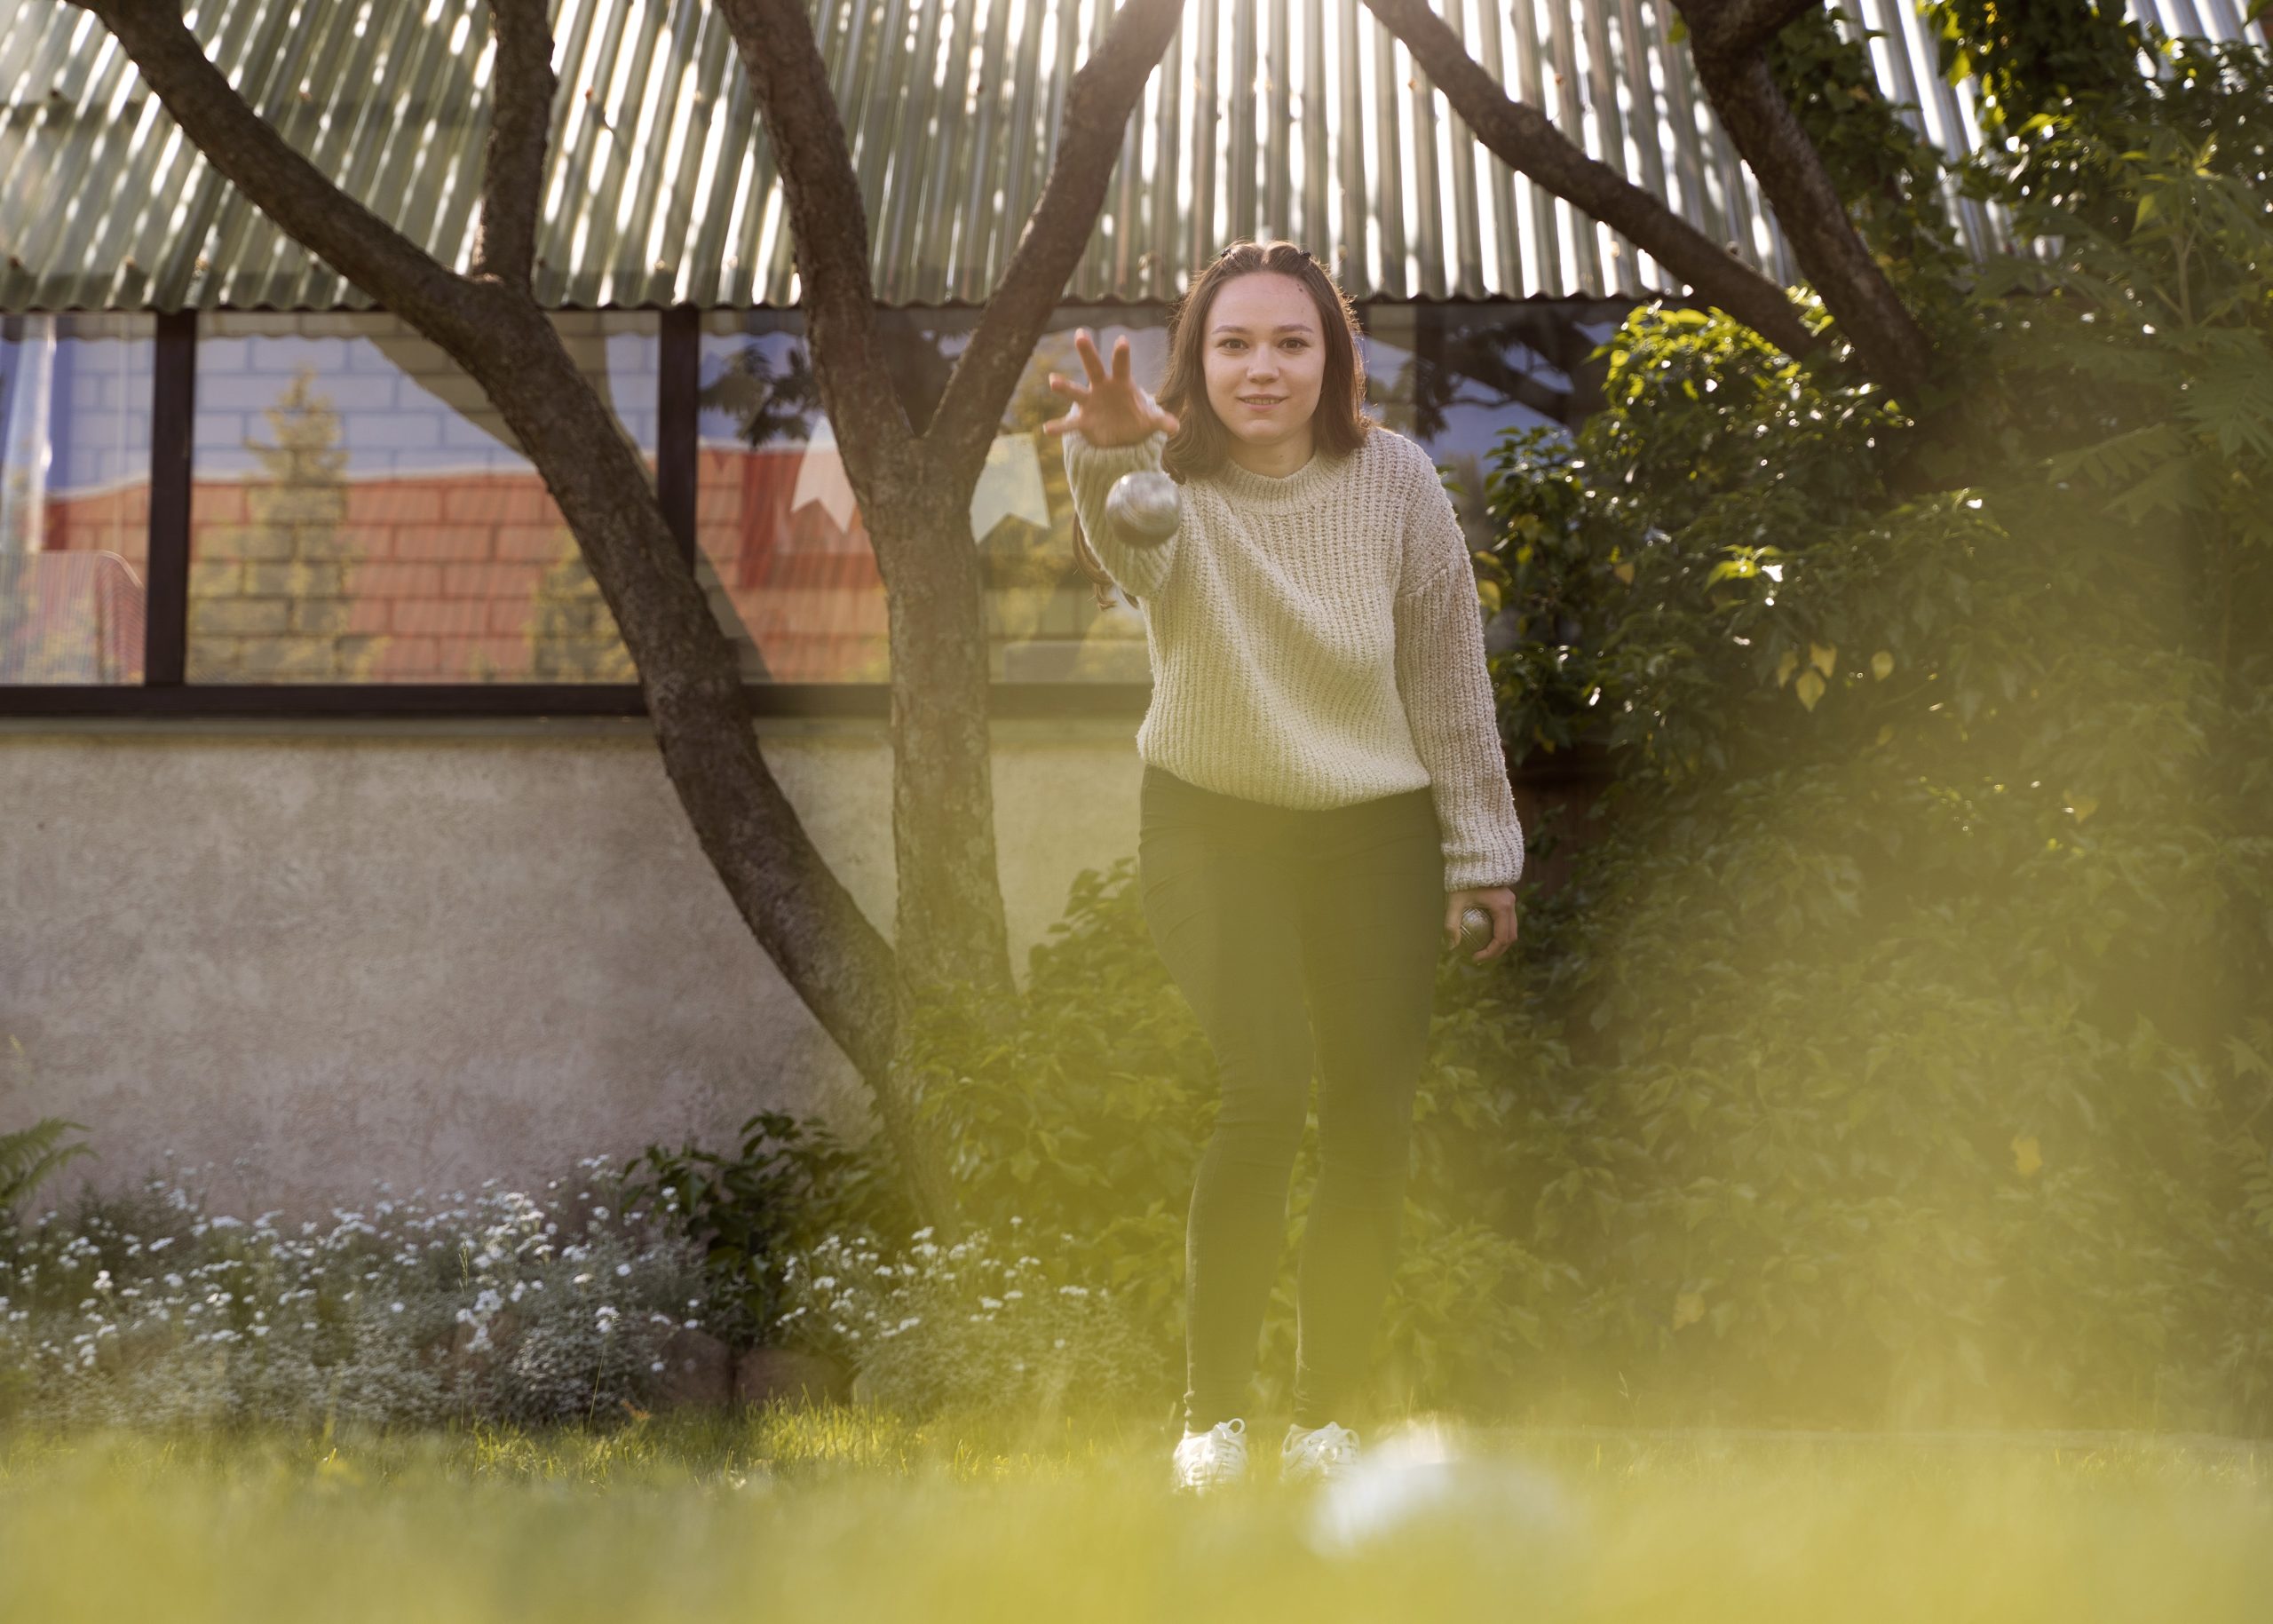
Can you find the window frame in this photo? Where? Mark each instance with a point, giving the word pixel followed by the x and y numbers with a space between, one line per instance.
pixel 165 692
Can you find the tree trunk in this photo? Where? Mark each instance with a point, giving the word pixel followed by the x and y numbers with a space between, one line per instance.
pixel 1887 338
pixel 950 926
pixel 801 914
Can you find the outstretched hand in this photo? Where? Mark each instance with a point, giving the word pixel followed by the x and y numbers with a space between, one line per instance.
pixel 1111 409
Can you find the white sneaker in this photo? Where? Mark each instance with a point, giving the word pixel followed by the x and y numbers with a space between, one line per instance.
pixel 1318 1455
pixel 1209 1460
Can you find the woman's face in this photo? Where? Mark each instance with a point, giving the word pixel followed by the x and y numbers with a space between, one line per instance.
pixel 1265 356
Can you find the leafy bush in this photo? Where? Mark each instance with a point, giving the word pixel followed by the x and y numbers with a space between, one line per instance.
pixel 148 1309
pixel 1914 1056
pixel 968 1324
pixel 789 1181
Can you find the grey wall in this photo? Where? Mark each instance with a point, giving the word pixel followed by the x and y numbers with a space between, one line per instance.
pixel 433 953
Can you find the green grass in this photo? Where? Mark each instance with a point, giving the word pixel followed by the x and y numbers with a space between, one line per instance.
pixel 849 1515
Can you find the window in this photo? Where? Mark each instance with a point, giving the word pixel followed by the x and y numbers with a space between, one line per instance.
pixel 75 496
pixel 360 513
pixel 782 536
pixel 351 515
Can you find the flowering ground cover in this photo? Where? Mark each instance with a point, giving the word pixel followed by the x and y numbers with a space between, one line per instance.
pixel 787 1513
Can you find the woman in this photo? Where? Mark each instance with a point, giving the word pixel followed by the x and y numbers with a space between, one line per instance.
pixel 1323 790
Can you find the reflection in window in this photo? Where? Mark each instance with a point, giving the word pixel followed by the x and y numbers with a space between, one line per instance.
pixel 788 560
pixel 779 545
pixel 1455 377
pixel 74 496
pixel 359 512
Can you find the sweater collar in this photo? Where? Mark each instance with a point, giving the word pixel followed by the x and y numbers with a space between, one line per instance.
pixel 1281 495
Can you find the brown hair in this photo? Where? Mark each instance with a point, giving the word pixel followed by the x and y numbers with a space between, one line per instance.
pixel 1201 444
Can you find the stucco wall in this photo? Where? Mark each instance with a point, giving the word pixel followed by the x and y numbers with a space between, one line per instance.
pixel 436 952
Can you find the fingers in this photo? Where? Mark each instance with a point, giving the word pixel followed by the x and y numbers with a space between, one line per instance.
pixel 1115 376
pixel 1086 347
pixel 1454 907
pixel 1502 909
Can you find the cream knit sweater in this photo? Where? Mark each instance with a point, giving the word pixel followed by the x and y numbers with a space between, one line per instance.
pixel 1315 639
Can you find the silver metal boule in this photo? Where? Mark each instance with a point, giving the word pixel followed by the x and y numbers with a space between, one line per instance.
pixel 1475 930
pixel 1143 508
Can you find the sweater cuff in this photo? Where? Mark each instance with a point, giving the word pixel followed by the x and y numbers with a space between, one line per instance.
pixel 1500 863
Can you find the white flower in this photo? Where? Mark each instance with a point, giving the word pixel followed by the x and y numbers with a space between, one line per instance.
pixel 395 1307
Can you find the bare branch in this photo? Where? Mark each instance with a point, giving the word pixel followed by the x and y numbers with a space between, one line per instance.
pixel 274 175
pixel 1527 141
pixel 1097 107
pixel 830 227
pixel 1888 340
pixel 520 121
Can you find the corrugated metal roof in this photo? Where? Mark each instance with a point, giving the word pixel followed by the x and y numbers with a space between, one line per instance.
pixel 1313 125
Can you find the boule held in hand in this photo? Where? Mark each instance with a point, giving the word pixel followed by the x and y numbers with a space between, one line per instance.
pixel 1480 921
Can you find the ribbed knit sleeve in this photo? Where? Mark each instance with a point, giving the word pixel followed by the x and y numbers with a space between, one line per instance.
pixel 1091 471
pixel 1446 689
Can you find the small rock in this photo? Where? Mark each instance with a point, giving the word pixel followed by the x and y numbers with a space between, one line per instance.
pixel 789 1374
pixel 698 1371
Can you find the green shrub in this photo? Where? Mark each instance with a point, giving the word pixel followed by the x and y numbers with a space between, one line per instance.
pixel 1912 998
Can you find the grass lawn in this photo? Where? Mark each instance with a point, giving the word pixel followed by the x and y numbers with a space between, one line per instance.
pixel 850 1515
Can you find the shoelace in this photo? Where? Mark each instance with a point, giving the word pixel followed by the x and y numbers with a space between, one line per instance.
pixel 1331 1445
pixel 1225 1451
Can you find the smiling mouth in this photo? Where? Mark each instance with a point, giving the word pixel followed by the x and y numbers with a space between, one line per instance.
pixel 1272 401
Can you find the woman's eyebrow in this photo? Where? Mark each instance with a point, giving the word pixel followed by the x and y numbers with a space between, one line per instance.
pixel 1284 326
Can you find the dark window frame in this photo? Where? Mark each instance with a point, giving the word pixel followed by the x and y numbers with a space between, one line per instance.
pixel 165 693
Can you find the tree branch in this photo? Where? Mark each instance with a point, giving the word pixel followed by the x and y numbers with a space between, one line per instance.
pixel 1740 26
pixel 1097 107
pixel 1524 137
pixel 1888 340
pixel 829 225
pixel 520 121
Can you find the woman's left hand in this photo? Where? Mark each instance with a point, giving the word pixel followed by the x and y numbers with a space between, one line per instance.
pixel 1497 900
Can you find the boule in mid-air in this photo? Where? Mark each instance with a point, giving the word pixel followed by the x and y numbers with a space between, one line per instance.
pixel 1143 508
